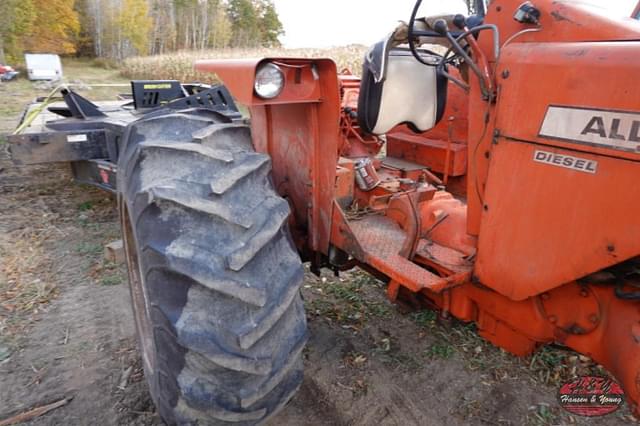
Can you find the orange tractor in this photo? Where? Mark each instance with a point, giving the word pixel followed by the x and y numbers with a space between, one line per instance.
pixel 483 165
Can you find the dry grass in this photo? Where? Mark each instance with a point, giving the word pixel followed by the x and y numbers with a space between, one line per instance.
pixel 27 278
pixel 26 287
pixel 179 65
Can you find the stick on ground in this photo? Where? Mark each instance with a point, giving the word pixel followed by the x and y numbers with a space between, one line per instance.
pixel 36 412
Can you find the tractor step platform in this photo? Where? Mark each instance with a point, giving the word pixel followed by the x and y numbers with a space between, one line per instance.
pixel 445 260
pixel 382 240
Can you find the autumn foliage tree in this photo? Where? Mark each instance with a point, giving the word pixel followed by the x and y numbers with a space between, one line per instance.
pixel 134 24
pixel 117 29
pixel 16 19
pixel 54 27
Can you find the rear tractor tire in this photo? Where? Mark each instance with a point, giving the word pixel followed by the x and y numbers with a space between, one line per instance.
pixel 214 276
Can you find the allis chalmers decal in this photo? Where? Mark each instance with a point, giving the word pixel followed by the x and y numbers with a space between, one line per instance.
pixel 591 396
pixel 612 129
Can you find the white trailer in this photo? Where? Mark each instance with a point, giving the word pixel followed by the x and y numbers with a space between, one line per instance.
pixel 43 66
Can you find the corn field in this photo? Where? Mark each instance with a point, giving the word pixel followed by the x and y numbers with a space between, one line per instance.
pixel 179 65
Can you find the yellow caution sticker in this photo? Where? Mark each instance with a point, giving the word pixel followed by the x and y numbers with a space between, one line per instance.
pixel 157 86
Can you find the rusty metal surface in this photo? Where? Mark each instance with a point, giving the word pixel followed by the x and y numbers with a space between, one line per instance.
pixel 300 131
pixel 445 260
pixel 400 164
pixel 382 240
pixel 354 143
pixel 430 153
pixel 545 226
pixel 583 318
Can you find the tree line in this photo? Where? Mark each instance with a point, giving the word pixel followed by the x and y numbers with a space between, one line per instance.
pixel 117 29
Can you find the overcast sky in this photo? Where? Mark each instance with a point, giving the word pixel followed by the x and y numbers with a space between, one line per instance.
pixel 326 23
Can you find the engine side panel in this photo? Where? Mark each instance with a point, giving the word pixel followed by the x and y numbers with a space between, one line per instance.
pixel 562 198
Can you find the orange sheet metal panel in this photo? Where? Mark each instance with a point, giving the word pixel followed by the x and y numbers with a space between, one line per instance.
pixel 237 75
pixel 562 198
pixel 299 129
pixel 561 20
pixel 302 79
pixel 564 21
pixel 428 152
pixel 598 77
pixel 547 224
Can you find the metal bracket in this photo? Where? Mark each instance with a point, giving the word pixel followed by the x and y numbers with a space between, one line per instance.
pixel 77 106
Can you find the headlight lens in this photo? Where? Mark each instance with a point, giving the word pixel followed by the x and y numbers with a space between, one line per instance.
pixel 269 81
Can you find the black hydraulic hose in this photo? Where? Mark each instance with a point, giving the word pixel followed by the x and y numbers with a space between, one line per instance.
pixel 475 30
pixel 621 294
pixel 460 51
pixel 454 42
pixel 412 44
pixel 442 69
pixel 441 65
pixel 456 46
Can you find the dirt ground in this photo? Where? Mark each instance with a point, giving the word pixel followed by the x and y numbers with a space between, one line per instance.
pixel 66 329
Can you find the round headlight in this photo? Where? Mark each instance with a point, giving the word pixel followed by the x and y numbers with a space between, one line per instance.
pixel 269 81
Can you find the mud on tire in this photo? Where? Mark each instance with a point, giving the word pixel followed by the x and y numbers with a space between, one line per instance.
pixel 214 276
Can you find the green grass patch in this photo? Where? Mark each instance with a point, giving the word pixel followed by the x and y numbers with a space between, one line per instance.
pixel 83 75
pixel 425 318
pixel 112 279
pixel 440 350
pixel 346 301
pixel 89 249
pixel 87 205
pixel 352 292
pixel 542 415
